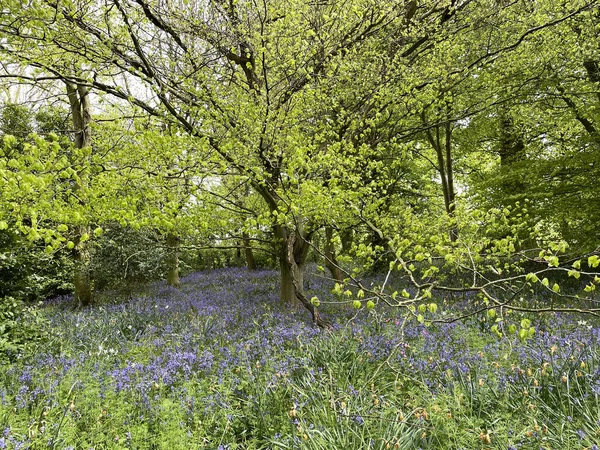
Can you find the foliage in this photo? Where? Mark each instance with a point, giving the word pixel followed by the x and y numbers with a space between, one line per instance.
pixel 279 120
pixel 29 272
pixel 22 329
pixel 126 258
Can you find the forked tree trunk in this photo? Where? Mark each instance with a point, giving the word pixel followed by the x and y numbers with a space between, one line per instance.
pixel 330 258
pixel 80 112
pixel 296 277
pixel 173 260
pixel 443 151
pixel 299 252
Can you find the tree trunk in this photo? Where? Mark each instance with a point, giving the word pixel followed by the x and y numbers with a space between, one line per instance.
pixel 296 277
pixel 238 254
pixel 451 205
pixel 287 294
pixel 81 115
pixel 250 261
pixel 173 260
pixel 330 259
pixel 443 151
pixel 300 249
pixel 81 273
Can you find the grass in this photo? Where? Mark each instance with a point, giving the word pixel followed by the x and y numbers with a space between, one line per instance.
pixel 221 365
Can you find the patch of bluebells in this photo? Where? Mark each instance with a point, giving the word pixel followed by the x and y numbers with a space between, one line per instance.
pixel 225 323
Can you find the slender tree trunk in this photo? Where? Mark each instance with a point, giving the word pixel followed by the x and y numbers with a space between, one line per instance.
pixel 250 261
pixel 81 115
pixel 451 205
pixel 445 168
pixel 173 260
pixel 330 259
pixel 238 254
pixel 81 272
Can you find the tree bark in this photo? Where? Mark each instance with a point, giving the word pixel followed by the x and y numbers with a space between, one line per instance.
pixel 173 260
pixel 296 279
pixel 451 205
pixel 289 276
pixel 81 115
pixel 330 258
pixel 250 261
pixel 287 294
pixel 84 295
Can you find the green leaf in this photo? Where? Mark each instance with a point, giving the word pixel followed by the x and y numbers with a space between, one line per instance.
pixel 522 334
pixel 552 261
pixel 574 273
pixel 593 261
pixel 532 277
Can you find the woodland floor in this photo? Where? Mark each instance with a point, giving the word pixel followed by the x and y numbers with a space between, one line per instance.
pixel 220 364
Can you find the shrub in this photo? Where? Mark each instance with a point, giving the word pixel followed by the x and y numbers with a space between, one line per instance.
pixel 22 327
